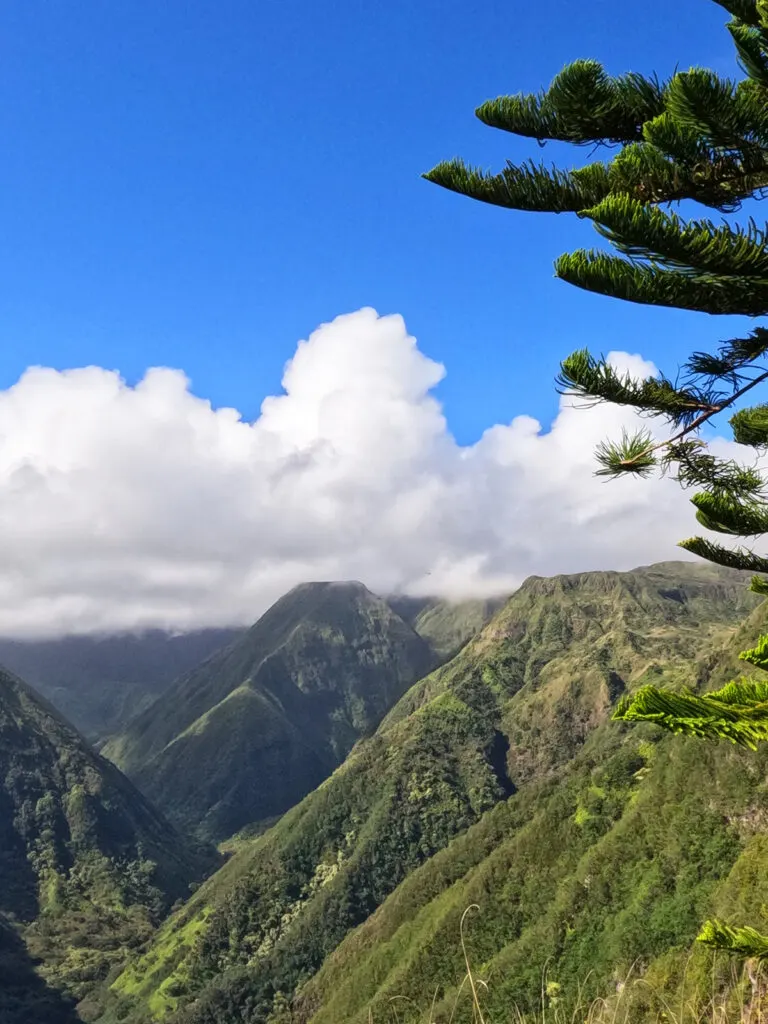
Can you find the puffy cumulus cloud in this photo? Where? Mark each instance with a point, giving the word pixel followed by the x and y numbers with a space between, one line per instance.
pixel 127 507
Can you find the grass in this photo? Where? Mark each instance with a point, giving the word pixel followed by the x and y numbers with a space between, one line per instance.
pixel 742 999
pixel 162 961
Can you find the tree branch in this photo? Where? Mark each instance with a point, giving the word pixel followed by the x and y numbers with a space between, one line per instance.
pixel 713 411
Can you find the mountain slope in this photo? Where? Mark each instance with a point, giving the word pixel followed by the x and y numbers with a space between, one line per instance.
pixel 600 875
pixel 495 730
pixel 257 726
pixel 100 682
pixel 603 877
pixel 87 866
pixel 24 995
pixel 446 625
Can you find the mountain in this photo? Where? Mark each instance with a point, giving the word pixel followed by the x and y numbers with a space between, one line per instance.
pixel 445 625
pixel 253 729
pixel 87 866
pixel 602 877
pixel 100 682
pixel 502 762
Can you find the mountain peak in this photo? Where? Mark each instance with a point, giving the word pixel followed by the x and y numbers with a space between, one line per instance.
pixel 330 586
pixel 525 706
pixel 257 726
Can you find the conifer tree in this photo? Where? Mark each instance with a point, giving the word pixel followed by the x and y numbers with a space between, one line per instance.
pixel 697 137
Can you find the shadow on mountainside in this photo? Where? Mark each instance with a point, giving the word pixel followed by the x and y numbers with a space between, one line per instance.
pixel 24 996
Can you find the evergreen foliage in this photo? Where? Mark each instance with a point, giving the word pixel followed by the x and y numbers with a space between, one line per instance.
pixel 738 712
pixel 747 942
pixel 698 137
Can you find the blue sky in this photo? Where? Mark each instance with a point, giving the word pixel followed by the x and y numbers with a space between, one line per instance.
pixel 199 185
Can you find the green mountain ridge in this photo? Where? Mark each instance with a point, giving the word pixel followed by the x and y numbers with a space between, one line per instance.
pixel 510 739
pixel 88 866
pixel 252 730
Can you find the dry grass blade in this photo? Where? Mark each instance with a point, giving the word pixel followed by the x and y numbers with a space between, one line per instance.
pixel 477 1012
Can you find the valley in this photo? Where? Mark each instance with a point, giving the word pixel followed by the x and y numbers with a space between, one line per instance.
pixel 99 683
pixel 88 867
pixel 285 704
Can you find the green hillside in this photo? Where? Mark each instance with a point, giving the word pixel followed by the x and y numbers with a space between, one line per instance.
pixel 87 866
pixel 510 740
pixel 601 876
pixel 251 731
pixel 446 625
pixel 100 682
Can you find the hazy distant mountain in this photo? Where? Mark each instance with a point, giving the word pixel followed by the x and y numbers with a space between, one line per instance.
pixel 87 866
pixel 99 683
pixel 446 625
pixel 257 726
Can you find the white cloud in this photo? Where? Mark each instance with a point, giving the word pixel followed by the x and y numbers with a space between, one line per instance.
pixel 128 507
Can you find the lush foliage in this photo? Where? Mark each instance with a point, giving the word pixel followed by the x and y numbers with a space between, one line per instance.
pixel 513 710
pixel 694 137
pixel 602 876
pixel 253 729
pixel 87 867
pixel 604 872
pixel 737 712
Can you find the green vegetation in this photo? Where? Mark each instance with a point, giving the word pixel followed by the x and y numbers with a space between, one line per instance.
pixel 100 682
pixel 498 780
pixel 256 727
pixel 507 780
pixel 605 874
pixel 737 712
pixel 24 996
pixel 446 626
pixel 602 872
pixel 701 138
pixel 694 137
pixel 87 867
pixel 490 782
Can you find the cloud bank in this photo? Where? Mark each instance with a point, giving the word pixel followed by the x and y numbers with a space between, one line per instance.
pixel 128 507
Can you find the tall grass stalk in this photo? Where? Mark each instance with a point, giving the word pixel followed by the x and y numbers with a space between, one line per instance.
pixel 741 999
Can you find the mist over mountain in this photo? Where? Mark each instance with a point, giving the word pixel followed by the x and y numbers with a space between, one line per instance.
pixel 445 625
pixel 100 682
